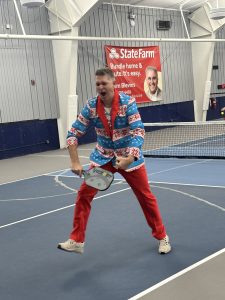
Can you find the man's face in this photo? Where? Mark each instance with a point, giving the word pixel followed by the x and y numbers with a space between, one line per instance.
pixel 152 81
pixel 105 86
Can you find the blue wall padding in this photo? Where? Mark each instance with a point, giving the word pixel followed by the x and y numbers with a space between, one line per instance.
pixel 26 137
pixel 175 112
pixel 214 113
pixel 34 136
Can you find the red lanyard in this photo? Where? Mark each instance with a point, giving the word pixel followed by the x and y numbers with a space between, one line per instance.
pixel 114 110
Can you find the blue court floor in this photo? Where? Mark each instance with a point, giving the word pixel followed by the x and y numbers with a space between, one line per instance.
pixel 120 258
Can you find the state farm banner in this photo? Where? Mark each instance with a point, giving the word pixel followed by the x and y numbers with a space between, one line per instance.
pixel 137 71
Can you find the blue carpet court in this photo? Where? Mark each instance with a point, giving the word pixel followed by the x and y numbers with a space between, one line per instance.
pixel 120 258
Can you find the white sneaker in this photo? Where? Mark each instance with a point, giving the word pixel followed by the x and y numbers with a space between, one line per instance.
pixel 164 245
pixel 71 246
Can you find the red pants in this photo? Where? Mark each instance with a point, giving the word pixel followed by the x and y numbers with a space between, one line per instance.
pixel 138 181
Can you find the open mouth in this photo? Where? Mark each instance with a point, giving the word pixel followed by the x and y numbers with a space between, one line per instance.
pixel 103 94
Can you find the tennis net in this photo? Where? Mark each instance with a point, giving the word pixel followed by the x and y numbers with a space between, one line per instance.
pixel 185 139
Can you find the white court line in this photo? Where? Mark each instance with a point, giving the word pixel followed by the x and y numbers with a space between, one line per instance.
pixel 39 175
pixel 182 166
pixel 62 208
pixel 192 196
pixel 49 155
pixel 56 178
pixel 31 177
pixel 58 156
pixel 64 176
pixel 159 182
pixel 40 197
pixel 188 184
pixel 50 196
pixel 188 269
pixel 53 173
pixel 183 193
pixel 58 209
pixel 35 198
pixel 119 181
pixel 188 194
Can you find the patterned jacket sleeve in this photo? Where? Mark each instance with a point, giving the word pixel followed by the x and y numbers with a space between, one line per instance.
pixel 79 127
pixel 136 128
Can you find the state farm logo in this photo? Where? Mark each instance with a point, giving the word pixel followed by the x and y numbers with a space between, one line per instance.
pixel 113 53
pixel 131 53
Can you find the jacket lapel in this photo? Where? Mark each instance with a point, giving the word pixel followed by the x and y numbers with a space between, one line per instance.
pixel 115 108
pixel 101 114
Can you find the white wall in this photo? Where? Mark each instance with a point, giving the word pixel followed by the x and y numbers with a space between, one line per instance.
pixel 22 61
pixel 65 55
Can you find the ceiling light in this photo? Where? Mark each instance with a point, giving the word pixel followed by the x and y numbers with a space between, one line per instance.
pixel 32 3
pixel 217 13
pixel 216 9
pixel 132 17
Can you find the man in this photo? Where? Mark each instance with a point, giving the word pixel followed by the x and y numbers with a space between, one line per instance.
pixel 212 103
pixel 152 90
pixel 222 112
pixel 120 135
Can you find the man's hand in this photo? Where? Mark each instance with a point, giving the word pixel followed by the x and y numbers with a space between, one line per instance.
pixel 123 162
pixel 75 163
pixel 77 168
